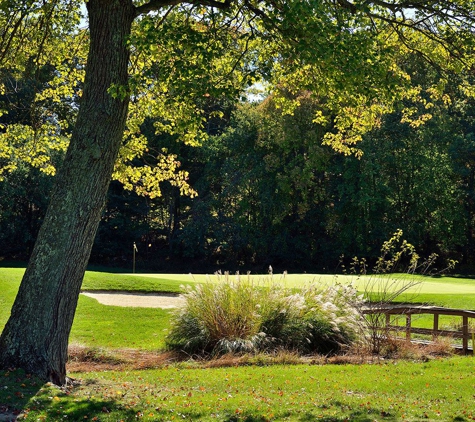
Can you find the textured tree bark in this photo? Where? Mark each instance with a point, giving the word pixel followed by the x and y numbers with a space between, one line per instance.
pixel 36 335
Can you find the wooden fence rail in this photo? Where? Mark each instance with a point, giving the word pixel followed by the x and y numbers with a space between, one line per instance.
pixel 466 334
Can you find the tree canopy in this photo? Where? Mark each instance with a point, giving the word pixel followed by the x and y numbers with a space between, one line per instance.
pixel 185 55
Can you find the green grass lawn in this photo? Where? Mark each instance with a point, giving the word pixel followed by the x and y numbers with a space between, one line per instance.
pixel 98 325
pixel 423 285
pixel 135 282
pixel 114 327
pixel 436 390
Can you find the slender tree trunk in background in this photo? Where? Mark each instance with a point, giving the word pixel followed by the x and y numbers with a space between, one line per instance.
pixel 35 337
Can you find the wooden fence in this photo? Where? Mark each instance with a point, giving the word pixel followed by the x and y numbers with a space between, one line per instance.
pixel 465 333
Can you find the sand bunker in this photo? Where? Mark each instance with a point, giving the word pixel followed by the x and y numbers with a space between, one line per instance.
pixel 137 300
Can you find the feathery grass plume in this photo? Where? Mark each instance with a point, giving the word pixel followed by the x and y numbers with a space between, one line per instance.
pixel 239 314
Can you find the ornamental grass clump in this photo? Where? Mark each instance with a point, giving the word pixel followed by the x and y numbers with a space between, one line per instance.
pixel 240 315
pixel 314 320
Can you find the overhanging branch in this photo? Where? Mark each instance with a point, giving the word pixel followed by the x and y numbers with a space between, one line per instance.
pixel 155 5
pixel 449 9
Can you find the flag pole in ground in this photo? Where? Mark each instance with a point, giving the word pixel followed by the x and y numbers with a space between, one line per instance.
pixel 133 264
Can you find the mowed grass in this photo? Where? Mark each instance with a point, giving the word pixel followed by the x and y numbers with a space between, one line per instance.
pixel 97 325
pixel 115 327
pixel 135 282
pixel 441 390
pixel 436 390
pixel 422 284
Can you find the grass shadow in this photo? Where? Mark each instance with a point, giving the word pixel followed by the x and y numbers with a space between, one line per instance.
pixel 24 396
pixel 81 409
pixel 16 390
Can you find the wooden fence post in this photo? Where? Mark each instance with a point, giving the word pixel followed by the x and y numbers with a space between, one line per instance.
pixel 408 327
pixel 436 326
pixel 465 334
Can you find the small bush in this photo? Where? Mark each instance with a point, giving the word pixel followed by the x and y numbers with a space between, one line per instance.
pixel 386 285
pixel 238 315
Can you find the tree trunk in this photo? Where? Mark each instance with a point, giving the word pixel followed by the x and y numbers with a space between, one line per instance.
pixel 36 335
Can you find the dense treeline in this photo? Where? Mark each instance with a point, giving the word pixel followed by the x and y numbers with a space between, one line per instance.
pixel 269 192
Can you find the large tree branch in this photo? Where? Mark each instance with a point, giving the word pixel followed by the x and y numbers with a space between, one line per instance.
pixel 450 10
pixel 155 5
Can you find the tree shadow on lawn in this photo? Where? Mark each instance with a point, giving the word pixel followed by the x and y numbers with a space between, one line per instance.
pixel 346 412
pixel 312 416
pixel 367 415
pixel 22 396
pixel 16 390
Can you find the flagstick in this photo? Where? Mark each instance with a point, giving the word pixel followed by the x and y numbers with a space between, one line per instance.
pixel 133 265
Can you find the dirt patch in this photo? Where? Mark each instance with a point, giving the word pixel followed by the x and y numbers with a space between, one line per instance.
pixel 137 300
pixel 85 359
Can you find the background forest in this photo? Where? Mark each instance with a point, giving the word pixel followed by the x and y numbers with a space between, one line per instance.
pixel 270 193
